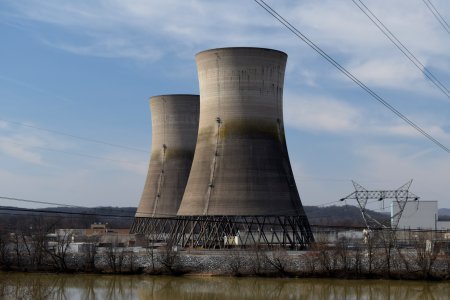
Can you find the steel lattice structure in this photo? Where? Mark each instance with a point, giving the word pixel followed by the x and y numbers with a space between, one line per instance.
pixel 217 232
pixel 155 229
pixel 291 232
pixel 401 196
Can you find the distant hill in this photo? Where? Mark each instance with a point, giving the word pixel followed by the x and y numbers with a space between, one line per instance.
pixel 347 215
pixel 122 217
pixel 66 217
pixel 444 212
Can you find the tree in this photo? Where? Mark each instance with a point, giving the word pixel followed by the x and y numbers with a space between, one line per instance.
pixel 5 260
pixel 426 251
pixel 58 250
pixel 115 255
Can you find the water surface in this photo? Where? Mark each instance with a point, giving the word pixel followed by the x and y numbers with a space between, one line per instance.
pixel 81 286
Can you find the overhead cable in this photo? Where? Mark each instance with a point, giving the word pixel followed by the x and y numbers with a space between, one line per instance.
pixel 400 46
pixel 91 140
pixel 316 48
pixel 437 15
pixel 80 154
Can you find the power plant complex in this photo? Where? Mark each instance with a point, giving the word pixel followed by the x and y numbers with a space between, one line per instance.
pixel 219 173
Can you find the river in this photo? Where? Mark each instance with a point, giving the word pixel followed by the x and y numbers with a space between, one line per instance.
pixel 82 286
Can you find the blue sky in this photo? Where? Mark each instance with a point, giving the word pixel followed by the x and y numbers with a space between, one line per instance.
pixel 88 68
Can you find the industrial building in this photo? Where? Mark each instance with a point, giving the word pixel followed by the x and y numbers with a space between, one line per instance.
pixel 419 215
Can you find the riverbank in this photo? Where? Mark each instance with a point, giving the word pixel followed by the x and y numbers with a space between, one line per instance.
pixel 327 263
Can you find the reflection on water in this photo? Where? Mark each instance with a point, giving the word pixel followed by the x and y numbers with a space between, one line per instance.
pixel 52 286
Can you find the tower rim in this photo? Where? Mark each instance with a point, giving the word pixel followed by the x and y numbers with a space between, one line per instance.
pixel 173 95
pixel 240 48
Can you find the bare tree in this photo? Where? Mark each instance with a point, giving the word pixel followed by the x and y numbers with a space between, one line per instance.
pixel 311 261
pixel 170 259
pixel 17 248
pixel 235 261
pixel 90 252
pixel 326 257
pixel 343 254
pixel 150 252
pixel 257 259
pixel 34 240
pixel 5 259
pixel 426 252
pixel 58 250
pixel 278 259
pixel 388 239
pixel 370 241
pixel 115 255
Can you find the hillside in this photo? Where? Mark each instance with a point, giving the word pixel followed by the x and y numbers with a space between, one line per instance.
pixel 122 217
pixel 347 215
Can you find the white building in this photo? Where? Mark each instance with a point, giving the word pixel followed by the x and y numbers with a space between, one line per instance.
pixel 419 215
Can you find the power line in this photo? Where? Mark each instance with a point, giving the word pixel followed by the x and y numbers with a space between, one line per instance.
pixel 400 46
pixel 37 212
pixel 91 140
pixel 46 211
pixel 174 218
pixel 316 48
pixel 437 15
pixel 80 154
pixel 168 216
pixel 38 202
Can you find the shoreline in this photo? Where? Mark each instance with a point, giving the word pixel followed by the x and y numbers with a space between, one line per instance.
pixel 245 263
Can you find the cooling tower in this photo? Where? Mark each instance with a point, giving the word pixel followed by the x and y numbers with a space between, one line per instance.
pixel 174 134
pixel 241 165
pixel 241 189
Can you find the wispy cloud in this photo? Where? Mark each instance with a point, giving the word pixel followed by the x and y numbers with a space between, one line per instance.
pixel 128 161
pixel 21 151
pixel 33 146
pixel 428 168
pixel 112 48
pixel 148 30
pixel 312 113
pixel 326 114
pixel 3 124
pixel 387 72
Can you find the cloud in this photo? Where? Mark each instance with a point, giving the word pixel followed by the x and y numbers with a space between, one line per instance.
pixel 3 125
pixel 407 131
pixel 19 151
pixel 127 161
pixel 77 186
pixel 399 163
pixel 333 116
pixel 112 48
pixel 312 113
pixel 149 30
pixel 20 144
pixel 387 72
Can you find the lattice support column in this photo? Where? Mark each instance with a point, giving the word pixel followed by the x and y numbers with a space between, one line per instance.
pixel 217 232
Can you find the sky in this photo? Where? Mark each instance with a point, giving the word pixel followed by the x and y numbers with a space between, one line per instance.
pixel 76 77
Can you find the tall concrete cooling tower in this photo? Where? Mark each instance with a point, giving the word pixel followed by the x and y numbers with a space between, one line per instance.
pixel 241 171
pixel 174 134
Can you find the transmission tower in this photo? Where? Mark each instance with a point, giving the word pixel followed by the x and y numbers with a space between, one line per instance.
pixel 401 196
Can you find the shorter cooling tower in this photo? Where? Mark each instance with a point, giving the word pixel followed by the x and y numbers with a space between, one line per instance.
pixel 174 134
pixel 241 178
